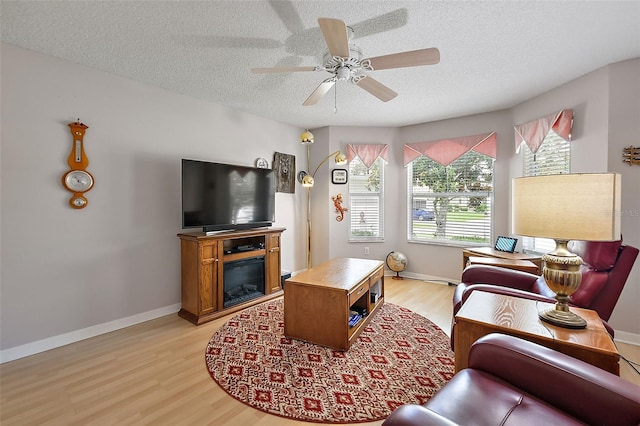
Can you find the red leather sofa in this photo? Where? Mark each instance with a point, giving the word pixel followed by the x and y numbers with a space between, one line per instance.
pixel 606 266
pixel 511 381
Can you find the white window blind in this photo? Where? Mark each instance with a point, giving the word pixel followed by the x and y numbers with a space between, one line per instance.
pixel 553 157
pixel 450 204
pixel 366 201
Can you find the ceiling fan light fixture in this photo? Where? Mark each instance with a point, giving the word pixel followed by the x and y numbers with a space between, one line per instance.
pixel 343 73
pixel 345 62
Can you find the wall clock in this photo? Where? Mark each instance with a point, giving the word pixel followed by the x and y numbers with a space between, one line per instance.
pixel 339 176
pixel 78 180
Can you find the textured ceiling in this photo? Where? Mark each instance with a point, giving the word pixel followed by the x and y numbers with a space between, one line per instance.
pixel 494 54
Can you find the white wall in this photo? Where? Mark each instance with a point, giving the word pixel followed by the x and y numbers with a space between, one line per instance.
pixel 64 270
pixel 442 260
pixel 425 260
pixel 606 106
pixel 332 139
pixel 624 131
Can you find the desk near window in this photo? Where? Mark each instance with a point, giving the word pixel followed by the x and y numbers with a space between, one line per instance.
pixel 490 252
pixel 518 265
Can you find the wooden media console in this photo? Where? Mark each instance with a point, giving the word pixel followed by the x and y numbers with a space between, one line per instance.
pixel 207 259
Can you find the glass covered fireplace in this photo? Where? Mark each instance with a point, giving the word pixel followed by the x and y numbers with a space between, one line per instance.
pixel 243 280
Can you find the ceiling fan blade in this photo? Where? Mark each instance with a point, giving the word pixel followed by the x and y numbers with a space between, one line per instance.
pixel 377 89
pixel 320 91
pixel 389 21
pixel 276 70
pixel 412 58
pixel 335 34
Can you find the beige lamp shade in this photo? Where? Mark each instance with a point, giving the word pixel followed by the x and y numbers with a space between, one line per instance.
pixel 581 206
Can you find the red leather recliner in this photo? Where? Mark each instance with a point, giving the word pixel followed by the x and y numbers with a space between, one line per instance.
pixel 511 381
pixel 604 274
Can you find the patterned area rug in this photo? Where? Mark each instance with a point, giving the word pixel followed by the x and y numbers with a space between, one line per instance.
pixel 399 358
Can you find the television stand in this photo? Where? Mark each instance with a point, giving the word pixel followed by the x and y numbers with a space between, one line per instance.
pixel 211 233
pixel 203 260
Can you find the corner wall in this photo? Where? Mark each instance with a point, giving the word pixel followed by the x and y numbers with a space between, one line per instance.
pixel 64 270
pixel 606 106
pixel 624 131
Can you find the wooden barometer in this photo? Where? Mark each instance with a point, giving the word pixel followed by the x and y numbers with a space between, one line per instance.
pixel 78 180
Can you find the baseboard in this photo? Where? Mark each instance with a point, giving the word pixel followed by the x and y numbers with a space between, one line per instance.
pixel 625 337
pixel 49 343
pixel 422 277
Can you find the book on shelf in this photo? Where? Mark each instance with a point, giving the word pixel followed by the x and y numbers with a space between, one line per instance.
pixel 354 318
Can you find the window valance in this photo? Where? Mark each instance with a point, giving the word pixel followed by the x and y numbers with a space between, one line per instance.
pixel 534 132
pixel 446 151
pixel 368 153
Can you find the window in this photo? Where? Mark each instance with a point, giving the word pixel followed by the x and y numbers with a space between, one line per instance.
pixel 553 157
pixel 366 200
pixel 450 204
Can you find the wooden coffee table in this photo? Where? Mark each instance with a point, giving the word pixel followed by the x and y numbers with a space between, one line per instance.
pixel 317 301
pixel 484 313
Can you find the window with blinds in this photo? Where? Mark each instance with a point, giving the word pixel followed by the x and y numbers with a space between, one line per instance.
pixel 450 204
pixel 553 157
pixel 366 201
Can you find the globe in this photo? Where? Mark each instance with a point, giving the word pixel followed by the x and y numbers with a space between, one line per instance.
pixel 397 262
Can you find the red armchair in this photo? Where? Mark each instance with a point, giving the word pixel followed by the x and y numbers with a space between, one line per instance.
pixel 604 274
pixel 511 381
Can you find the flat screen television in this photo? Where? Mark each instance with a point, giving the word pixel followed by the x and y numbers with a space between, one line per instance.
pixel 217 196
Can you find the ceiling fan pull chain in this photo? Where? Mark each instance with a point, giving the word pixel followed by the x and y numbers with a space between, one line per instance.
pixel 335 98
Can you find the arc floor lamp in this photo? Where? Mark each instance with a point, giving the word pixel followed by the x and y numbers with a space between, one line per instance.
pixel 307 180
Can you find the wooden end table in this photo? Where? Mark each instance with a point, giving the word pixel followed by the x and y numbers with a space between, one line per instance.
pixel 484 313
pixel 490 252
pixel 518 265
pixel 318 301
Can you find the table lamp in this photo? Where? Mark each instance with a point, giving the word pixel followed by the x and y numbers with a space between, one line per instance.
pixel 581 206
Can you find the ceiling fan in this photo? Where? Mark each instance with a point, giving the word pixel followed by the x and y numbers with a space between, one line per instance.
pixel 344 61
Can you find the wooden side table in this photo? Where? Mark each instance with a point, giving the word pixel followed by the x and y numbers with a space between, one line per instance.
pixel 485 313
pixel 518 265
pixel 490 252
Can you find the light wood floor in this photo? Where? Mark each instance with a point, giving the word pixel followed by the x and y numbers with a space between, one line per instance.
pixel 154 373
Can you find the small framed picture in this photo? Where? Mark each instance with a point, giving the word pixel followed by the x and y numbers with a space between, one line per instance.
pixel 339 176
pixel 261 163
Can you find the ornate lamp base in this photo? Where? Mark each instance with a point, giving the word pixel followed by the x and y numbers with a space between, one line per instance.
pixel 562 274
pixel 565 319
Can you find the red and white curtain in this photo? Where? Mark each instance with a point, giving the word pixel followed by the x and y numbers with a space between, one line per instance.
pixel 534 132
pixel 367 153
pixel 446 151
